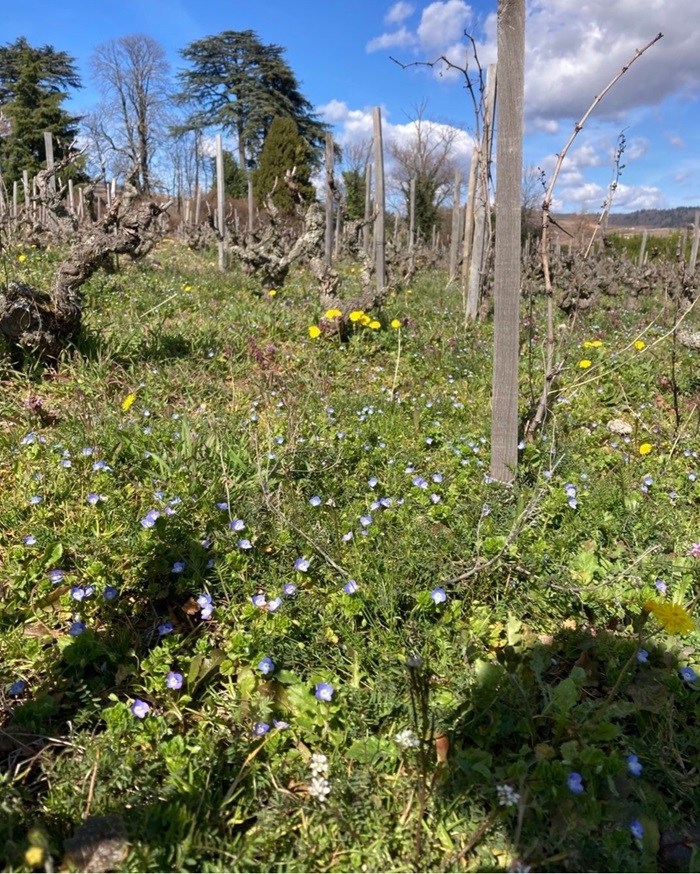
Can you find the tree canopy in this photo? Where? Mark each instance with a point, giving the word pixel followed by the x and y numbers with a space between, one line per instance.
pixel 33 85
pixel 284 150
pixel 240 85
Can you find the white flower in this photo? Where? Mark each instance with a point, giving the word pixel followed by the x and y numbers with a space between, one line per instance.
pixel 406 739
pixel 507 796
pixel 319 764
pixel 319 788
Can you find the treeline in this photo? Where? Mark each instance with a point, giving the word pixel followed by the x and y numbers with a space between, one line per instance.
pixel 678 217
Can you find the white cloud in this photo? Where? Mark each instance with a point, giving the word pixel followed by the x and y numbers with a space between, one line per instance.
pixel 574 48
pixel 677 142
pixel 398 12
pixel 398 39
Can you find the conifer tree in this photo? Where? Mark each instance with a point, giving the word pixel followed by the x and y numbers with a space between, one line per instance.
pixel 354 182
pixel 239 85
pixel 33 83
pixel 283 150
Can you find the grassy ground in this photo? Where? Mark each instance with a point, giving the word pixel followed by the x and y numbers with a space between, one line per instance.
pixel 229 549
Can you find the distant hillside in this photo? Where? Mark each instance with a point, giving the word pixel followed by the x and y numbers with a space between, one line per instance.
pixel 678 217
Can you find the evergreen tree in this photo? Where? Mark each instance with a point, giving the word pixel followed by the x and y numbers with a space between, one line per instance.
pixel 283 150
pixel 33 85
pixel 354 181
pixel 240 85
pixel 235 179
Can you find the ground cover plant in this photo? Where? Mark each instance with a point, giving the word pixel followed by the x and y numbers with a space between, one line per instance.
pixel 263 609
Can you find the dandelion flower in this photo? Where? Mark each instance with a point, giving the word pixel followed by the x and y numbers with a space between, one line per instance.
pixel 584 363
pixel 356 315
pixel 395 323
pixel 674 618
pixel 314 331
pixel 333 314
pixel 375 325
pixel 639 344
pixel 128 401
pixel 645 449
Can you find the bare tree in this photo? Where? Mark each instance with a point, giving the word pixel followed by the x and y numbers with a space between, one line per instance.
pixel 428 156
pixel 131 123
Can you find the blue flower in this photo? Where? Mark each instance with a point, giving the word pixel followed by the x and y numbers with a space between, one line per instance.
pixel 259 600
pixel 289 589
pixel 302 564
pixel 420 482
pixel 280 724
pixel 173 680
pixel 365 521
pixel 642 656
pixel 260 728
pixel 634 766
pixel 244 543
pixel 17 688
pixel 204 600
pixel 437 477
pixel 149 520
pixel 178 567
pixel 347 537
pixel 324 691
pixel 266 665
pixel 140 708
pixel 29 540
pixel 56 576
pixel 688 674
pixel 237 525
pixel 102 465
pixel 77 628
pixel 438 595
pixel 35 499
pixel 372 482
pixel 165 629
pixel 351 587
pixel 575 782
pixel 110 593
pixel 222 505
pixel 661 586
pixel 77 594
pixel 315 501
pixel 274 604
pixel 637 829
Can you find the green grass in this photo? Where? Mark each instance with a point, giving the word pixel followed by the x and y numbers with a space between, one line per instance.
pixel 195 391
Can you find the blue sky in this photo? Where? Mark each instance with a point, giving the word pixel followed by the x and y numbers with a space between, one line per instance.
pixel 340 51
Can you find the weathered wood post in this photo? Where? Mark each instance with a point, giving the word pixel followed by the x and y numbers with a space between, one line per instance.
pixel 368 209
pixel 221 201
pixel 696 240
pixel 379 238
pixel 329 198
pixel 506 291
pixel 456 222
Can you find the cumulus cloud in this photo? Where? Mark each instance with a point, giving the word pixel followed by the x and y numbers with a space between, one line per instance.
pixel 574 49
pixel 398 12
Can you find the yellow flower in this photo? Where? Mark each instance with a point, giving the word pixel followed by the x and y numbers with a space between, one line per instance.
pixel 395 323
pixel 584 363
pixel 375 325
pixel 673 618
pixel 409 291
pixel 365 319
pixel 639 344
pixel 128 401
pixel 592 344
pixel 314 331
pixel 186 287
pixel 272 292
pixel 333 314
pixel 356 315
pixel 645 449
pixel 22 257
pixel 34 856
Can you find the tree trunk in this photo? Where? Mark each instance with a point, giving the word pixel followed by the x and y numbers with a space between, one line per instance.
pixel 509 161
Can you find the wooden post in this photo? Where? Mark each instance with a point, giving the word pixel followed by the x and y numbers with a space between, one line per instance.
pixel 329 198
pixel 642 248
pixel 696 240
pixel 71 197
pixel 412 214
pixel 338 230
pixel 221 202
pixel 482 206
pixel 250 205
pixel 368 208
pixel 507 270
pixel 469 226
pixel 379 240
pixel 15 198
pixel 456 221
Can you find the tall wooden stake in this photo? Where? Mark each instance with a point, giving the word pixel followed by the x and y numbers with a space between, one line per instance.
pixel 379 241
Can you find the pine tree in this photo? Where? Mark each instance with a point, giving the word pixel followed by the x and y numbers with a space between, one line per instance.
pixel 32 89
pixel 240 85
pixel 283 150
